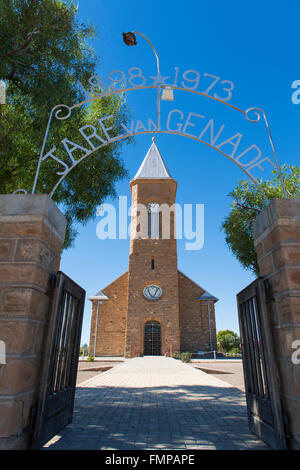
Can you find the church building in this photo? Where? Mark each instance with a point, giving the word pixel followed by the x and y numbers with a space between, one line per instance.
pixel 152 308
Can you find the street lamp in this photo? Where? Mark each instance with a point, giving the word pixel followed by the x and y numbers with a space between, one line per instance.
pixel 129 39
pixel 207 296
pixel 96 327
pixel 99 297
pixel 167 94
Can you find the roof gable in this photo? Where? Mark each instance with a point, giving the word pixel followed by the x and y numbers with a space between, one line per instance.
pixel 100 295
pixel 206 295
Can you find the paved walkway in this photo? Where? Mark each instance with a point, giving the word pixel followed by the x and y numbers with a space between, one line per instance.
pixel 233 371
pixel 157 403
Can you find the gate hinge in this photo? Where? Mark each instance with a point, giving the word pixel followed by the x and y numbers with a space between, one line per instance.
pixel 31 420
pixel 268 291
pixel 52 280
pixel 51 283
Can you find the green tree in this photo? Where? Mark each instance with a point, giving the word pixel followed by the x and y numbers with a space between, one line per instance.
pixel 247 203
pixel 45 51
pixel 84 350
pixel 227 340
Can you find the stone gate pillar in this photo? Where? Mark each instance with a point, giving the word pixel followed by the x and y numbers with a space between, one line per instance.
pixel 277 239
pixel 32 231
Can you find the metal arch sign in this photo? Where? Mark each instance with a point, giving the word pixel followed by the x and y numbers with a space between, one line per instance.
pixel 177 122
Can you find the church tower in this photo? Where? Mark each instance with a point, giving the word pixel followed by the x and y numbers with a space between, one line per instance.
pixel 152 308
pixel 153 305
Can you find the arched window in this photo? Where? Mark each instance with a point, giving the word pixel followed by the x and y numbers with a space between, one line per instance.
pixel 153 220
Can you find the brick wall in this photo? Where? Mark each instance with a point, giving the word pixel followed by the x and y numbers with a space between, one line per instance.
pixel 164 252
pixel 193 317
pixel 111 326
pixel 277 239
pixel 32 232
pixel 121 319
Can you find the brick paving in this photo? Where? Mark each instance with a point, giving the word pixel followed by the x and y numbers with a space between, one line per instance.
pixel 87 370
pixel 157 403
pixel 233 371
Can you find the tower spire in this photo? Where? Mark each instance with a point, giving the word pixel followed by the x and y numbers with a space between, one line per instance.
pixel 153 165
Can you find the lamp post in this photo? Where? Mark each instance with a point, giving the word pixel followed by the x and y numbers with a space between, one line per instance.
pixel 2 92
pixel 130 40
pixel 167 94
pixel 99 297
pixel 96 327
pixel 207 296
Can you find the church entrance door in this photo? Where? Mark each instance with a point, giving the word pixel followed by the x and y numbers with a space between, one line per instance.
pixel 152 339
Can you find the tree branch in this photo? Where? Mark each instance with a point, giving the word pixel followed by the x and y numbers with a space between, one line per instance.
pixel 27 41
pixel 242 205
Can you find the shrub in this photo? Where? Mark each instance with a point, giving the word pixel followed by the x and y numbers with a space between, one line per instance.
pixel 176 355
pixel 234 352
pixel 186 357
pixel 84 350
pixel 90 358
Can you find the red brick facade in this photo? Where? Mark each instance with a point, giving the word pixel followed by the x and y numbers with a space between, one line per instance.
pixel 193 329
pixel 119 320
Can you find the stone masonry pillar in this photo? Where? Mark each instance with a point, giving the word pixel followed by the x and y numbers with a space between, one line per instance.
pixel 277 239
pixel 32 231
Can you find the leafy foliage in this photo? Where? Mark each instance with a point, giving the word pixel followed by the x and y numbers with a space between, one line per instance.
pixel 184 356
pixel 234 352
pixel 228 340
pixel 44 53
pixel 176 355
pixel 84 350
pixel 247 203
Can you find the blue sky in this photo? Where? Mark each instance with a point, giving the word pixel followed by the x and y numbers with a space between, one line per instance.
pixel 248 43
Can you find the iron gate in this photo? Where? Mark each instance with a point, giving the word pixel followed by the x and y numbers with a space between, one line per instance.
pixel 58 380
pixel 260 374
pixel 152 339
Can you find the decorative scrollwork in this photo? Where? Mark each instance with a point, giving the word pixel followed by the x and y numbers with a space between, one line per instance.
pixel 58 110
pixel 98 91
pixel 23 191
pixel 258 113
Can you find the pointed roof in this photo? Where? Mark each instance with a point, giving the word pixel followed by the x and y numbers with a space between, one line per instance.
pixel 207 296
pixel 99 296
pixel 153 165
